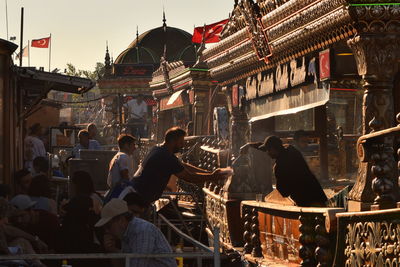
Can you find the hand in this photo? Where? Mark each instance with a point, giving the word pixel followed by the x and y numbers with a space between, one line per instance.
pixel 110 243
pixel 244 149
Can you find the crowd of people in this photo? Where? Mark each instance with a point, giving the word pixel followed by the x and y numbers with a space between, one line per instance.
pixel 33 222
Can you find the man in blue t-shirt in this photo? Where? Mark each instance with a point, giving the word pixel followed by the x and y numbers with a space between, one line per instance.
pixel 161 163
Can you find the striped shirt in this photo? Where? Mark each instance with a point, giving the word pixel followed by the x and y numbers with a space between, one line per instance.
pixel 143 237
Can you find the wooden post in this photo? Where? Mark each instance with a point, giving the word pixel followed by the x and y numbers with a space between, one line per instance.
pixel 321 129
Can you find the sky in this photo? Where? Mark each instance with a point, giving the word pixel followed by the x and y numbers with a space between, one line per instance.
pixel 80 28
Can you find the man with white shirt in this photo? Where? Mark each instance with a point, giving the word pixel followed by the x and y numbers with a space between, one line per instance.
pixel 33 146
pixel 137 112
pixel 85 143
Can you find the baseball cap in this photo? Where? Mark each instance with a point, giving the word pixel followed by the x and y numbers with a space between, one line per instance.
pixel 271 141
pixel 112 209
pixel 22 202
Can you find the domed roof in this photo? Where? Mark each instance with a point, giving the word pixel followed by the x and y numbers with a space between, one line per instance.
pixel 151 47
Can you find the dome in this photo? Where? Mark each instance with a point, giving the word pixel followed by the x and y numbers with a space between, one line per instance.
pixel 151 47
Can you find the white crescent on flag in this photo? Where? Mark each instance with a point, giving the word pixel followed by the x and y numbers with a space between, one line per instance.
pixel 42 42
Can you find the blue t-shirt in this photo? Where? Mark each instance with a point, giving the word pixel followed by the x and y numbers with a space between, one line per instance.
pixel 158 166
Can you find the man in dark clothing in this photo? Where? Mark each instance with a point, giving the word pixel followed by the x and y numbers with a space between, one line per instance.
pixel 293 176
pixel 161 163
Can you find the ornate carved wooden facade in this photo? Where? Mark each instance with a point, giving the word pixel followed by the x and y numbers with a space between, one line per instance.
pixel 263 34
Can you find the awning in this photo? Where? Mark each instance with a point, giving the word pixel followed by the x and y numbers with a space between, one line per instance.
pixel 176 100
pixel 174 97
pixel 292 101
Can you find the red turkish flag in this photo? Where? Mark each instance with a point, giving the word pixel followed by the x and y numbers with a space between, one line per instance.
pixel 212 32
pixel 41 43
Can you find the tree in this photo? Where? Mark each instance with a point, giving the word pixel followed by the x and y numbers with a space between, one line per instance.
pixel 92 75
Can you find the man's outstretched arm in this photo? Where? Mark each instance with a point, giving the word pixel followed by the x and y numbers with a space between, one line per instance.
pixel 198 178
pixel 244 149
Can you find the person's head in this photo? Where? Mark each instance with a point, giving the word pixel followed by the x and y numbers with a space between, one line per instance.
pixel 272 145
pixel 92 129
pixel 115 217
pixel 41 165
pixel 135 203
pixel 175 139
pixel 300 138
pixel 36 129
pixel 4 191
pixel 40 187
pixel 139 98
pixel 6 209
pixel 23 179
pixel 83 136
pixel 83 183
pixel 126 143
pixel 24 205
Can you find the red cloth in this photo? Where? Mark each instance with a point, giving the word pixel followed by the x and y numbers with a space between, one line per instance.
pixel 41 43
pixel 212 32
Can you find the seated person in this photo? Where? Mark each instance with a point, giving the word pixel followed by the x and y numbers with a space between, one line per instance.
pixel 39 223
pixel 22 180
pixel 83 186
pixel 85 143
pixel 4 191
pixel 77 233
pixel 14 240
pixel 40 166
pixel 294 178
pixel 133 234
pixel 300 139
pixel 40 192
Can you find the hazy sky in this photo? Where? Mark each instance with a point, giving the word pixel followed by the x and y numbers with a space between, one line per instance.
pixel 80 28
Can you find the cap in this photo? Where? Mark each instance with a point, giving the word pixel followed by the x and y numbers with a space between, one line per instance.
pixel 22 202
pixel 271 141
pixel 112 209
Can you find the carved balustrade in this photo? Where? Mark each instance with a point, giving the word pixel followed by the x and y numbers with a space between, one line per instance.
pixel 289 235
pixel 368 239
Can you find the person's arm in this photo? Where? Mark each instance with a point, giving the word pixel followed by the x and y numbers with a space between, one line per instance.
pixel 197 177
pixel 124 167
pixel 244 149
pixel 192 168
pixel 16 233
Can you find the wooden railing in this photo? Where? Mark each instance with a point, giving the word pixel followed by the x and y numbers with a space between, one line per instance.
pixel 288 235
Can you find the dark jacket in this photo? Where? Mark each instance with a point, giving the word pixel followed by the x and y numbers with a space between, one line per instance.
pixel 295 179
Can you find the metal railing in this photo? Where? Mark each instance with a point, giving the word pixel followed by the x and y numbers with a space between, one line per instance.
pixel 207 253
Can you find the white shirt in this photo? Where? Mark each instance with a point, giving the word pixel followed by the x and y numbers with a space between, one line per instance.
pixel 135 110
pixel 34 148
pixel 121 161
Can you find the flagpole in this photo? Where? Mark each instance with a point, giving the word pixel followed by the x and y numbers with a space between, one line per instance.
pixel 29 55
pixel 21 37
pixel 50 52
pixel 7 19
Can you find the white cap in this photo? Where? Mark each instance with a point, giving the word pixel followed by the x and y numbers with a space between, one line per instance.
pixel 22 202
pixel 112 209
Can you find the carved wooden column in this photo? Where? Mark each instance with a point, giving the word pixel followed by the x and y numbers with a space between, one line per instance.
pixel 307 240
pixel 255 237
pixel 376 50
pixel 248 247
pixel 323 252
